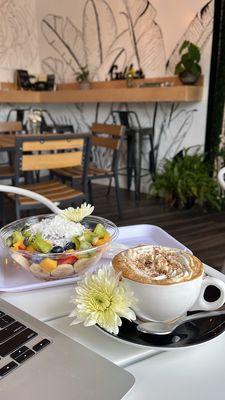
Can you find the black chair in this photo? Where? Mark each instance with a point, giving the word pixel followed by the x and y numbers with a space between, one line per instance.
pixel 19 114
pixel 135 135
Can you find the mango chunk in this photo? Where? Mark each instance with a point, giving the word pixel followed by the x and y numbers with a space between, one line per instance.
pixel 19 245
pixel 48 264
pixel 104 240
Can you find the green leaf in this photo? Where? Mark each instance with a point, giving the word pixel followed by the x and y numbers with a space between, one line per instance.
pixel 194 52
pixel 184 46
pixel 190 57
pixel 179 68
pixel 187 178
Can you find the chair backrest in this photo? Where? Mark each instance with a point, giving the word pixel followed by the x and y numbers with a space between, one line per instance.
pixel 130 118
pixel 51 151
pixel 108 136
pixel 10 127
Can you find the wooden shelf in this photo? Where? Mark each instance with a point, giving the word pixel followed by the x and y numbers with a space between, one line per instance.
pixel 109 92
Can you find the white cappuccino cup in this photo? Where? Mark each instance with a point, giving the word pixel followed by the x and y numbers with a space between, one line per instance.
pixel 166 297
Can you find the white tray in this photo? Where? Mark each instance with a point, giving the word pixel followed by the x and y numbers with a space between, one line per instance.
pixel 16 279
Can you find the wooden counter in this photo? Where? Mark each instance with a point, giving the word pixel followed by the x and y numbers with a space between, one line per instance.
pixel 110 92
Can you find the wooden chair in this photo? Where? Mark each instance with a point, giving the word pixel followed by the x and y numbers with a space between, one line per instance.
pixel 46 152
pixel 103 136
pixel 10 127
pixel 7 170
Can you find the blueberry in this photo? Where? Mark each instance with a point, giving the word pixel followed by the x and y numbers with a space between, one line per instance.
pixel 69 245
pixel 26 241
pixel 36 259
pixel 57 249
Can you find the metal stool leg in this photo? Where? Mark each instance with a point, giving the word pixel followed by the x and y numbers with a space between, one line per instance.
pixel 118 198
pixel 2 209
pixel 109 187
pixel 90 197
pixel 137 177
pixel 130 157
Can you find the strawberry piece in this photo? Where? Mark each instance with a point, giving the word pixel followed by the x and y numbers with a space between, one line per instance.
pixel 67 260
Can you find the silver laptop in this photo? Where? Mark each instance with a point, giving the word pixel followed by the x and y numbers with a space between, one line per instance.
pixel 37 362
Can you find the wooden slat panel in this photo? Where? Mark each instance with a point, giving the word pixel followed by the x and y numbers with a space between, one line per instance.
pixel 7 141
pixel 50 161
pixel 42 185
pixel 10 126
pixel 76 172
pixel 53 145
pixel 62 192
pixel 114 130
pixel 105 142
pixel 63 195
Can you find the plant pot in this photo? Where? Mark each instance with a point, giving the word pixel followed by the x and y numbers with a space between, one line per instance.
pixel 187 78
pixel 85 85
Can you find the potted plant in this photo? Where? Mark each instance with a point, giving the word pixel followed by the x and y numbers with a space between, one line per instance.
pixel 185 181
pixel 188 67
pixel 82 77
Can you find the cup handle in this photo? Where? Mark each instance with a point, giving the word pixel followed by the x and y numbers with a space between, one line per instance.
pixel 201 303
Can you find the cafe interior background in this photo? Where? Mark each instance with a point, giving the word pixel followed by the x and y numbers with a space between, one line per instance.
pixel 95 33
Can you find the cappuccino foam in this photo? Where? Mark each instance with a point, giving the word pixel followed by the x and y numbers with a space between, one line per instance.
pixel 157 265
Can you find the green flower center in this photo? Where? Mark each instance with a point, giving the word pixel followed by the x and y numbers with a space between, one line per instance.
pixel 101 302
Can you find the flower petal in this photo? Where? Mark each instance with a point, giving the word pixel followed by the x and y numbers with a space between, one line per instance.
pixel 101 298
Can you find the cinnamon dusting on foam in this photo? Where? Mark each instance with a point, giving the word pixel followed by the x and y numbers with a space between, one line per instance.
pixel 157 265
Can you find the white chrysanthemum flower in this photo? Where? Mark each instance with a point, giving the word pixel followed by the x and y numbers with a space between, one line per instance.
pixel 78 214
pixel 102 299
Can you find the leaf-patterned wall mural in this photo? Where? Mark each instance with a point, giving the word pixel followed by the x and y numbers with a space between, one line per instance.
pixel 99 44
pixel 129 33
pixel 18 35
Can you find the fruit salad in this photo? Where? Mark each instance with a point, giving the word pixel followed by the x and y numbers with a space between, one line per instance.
pixel 57 247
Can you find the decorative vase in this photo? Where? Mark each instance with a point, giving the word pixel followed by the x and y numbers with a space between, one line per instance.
pixel 35 128
pixel 187 78
pixel 129 80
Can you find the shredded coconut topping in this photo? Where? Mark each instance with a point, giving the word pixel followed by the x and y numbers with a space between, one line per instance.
pixel 57 230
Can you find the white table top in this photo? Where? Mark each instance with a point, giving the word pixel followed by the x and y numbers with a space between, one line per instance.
pixel 196 373
pixel 44 304
pixel 119 352
pixel 51 305
pixel 158 375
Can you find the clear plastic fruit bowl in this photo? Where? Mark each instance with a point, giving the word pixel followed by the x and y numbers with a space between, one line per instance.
pixel 67 264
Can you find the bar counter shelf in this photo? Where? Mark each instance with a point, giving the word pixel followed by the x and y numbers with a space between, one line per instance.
pixel 166 89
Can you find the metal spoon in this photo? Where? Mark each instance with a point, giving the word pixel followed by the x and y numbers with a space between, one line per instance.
pixel 164 328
